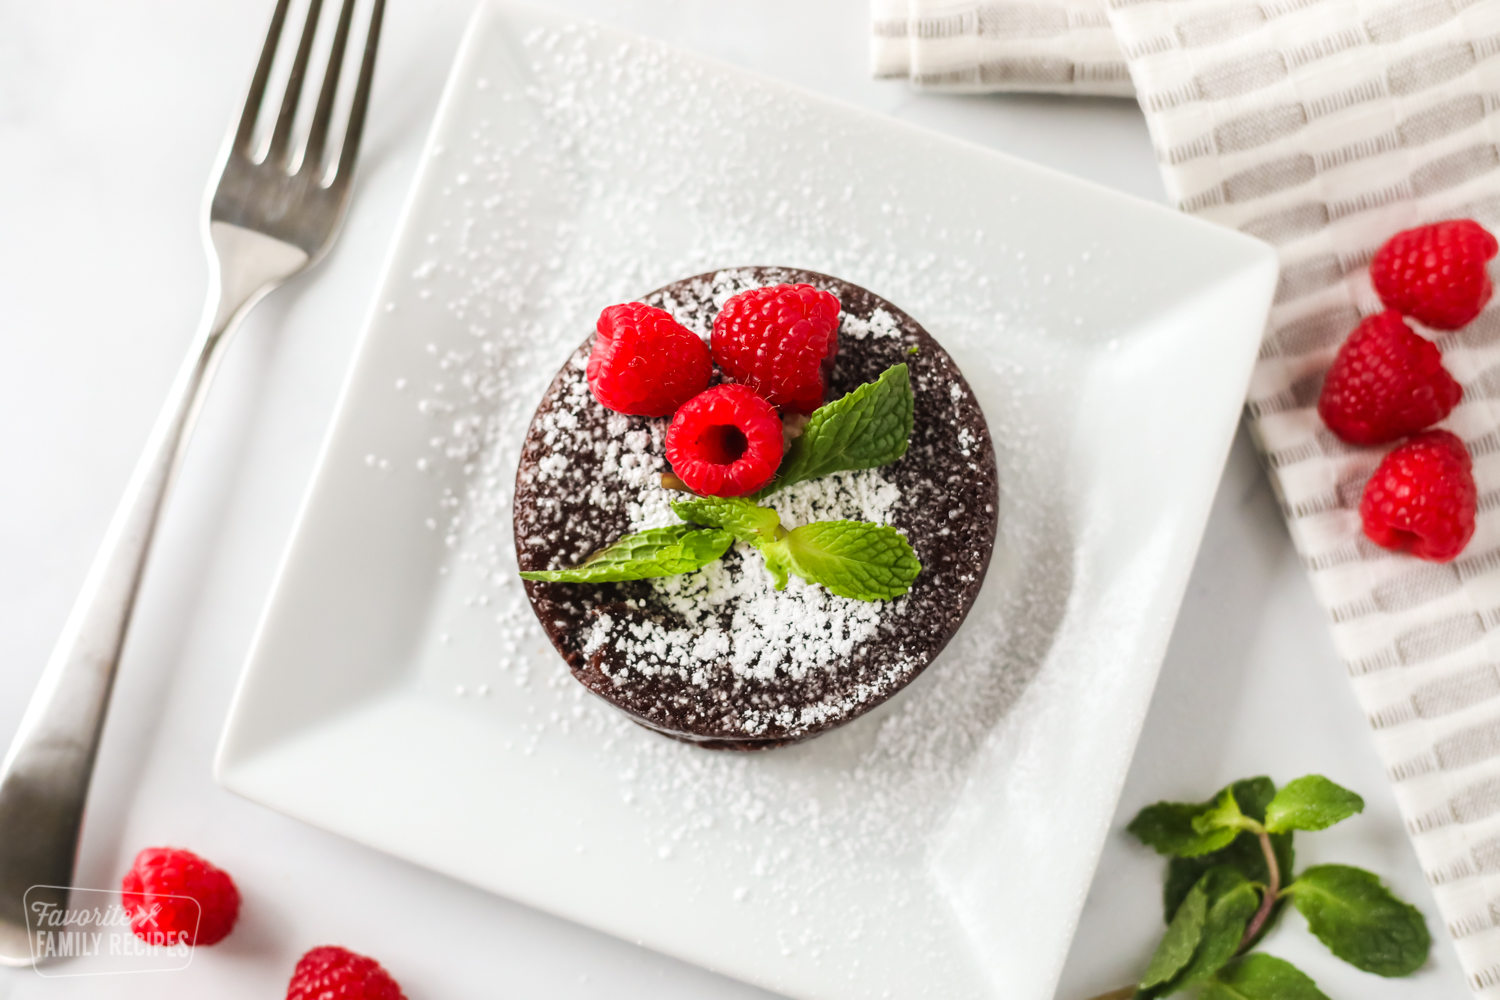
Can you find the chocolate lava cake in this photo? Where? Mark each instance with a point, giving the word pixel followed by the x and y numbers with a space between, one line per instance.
pixel 717 657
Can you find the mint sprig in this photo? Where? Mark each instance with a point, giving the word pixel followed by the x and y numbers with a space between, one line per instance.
pixel 1243 854
pixel 855 559
pixel 1231 873
pixel 680 548
pixel 864 429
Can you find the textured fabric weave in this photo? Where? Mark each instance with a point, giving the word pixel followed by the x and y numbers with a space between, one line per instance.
pixel 1061 46
pixel 1322 127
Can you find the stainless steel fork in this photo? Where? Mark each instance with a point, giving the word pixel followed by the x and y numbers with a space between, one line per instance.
pixel 266 222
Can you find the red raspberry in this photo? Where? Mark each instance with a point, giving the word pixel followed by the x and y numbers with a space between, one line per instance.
pixel 1385 383
pixel 725 442
pixel 646 363
pixel 332 973
pixel 1422 498
pixel 781 342
pixel 1435 274
pixel 154 888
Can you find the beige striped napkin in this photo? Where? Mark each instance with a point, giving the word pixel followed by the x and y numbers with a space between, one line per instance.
pixel 1058 46
pixel 1321 126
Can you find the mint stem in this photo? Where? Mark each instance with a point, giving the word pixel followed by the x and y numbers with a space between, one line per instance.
pixel 1268 898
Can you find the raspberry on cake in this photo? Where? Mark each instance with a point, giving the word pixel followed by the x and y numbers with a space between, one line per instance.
pixel 1422 498
pixel 1385 383
pixel 725 442
pixel 175 897
pixel 1436 274
pixel 746 623
pixel 781 341
pixel 645 363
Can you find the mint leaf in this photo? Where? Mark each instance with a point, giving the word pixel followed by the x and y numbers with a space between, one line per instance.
pixel 1245 857
pixel 740 517
pixel 1232 901
pixel 1224 815
pixel 1167 828
pixel 680 548
pixel 868 562
pixel 1181 939
pixel 1360 920
pixel 1243 853
pixel 1261 977
pixel 1170 828
pixel 1311 803
pixel 866 428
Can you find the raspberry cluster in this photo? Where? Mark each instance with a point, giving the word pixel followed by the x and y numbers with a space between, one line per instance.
pixel 174 897
pixel 1388 381
pixel 777 346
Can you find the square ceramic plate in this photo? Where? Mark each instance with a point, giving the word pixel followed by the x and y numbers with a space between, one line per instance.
pixel 401 693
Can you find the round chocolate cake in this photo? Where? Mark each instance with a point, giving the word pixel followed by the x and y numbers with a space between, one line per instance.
pixel 718 657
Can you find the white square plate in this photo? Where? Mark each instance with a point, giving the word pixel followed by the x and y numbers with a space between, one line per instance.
pixel 400 692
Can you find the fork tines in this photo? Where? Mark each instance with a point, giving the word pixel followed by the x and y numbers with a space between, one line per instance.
pixel 281 149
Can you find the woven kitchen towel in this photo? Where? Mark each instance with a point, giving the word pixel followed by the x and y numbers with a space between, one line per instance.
pixel 1324 126
pixel 1061 46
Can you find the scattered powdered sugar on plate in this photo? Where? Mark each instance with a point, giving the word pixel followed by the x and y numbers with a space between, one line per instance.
pixel 548 218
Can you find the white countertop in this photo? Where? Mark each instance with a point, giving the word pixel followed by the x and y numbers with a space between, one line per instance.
pixel 110 118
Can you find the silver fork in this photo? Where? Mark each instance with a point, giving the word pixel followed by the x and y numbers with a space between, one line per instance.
pixel 265 223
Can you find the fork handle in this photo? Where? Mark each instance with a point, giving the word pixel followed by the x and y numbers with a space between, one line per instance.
pixel 45 777
pixel 44 780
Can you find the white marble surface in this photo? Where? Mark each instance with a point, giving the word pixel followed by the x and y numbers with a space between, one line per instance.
pixel 110 117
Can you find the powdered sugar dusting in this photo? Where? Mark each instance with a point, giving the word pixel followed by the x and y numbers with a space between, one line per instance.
pixel 769 635
pixel 789 632
pixel 793 631
pixel 879 324
pixel 556 217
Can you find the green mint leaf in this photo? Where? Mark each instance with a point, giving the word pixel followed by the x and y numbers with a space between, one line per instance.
pixel 1167 828
pixel 1181 939
pixel 868 562
pixel 866 428
pixel 1232 901
pixel 1184 873
pixel 1261 977
pixel 1245 857
pixel 1243 853
pixel 655 552
pixel 1360 920
pixel 1225 815
pixel 778 562
pixel 1253 796
pixel 1311 803
pixel 742 518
